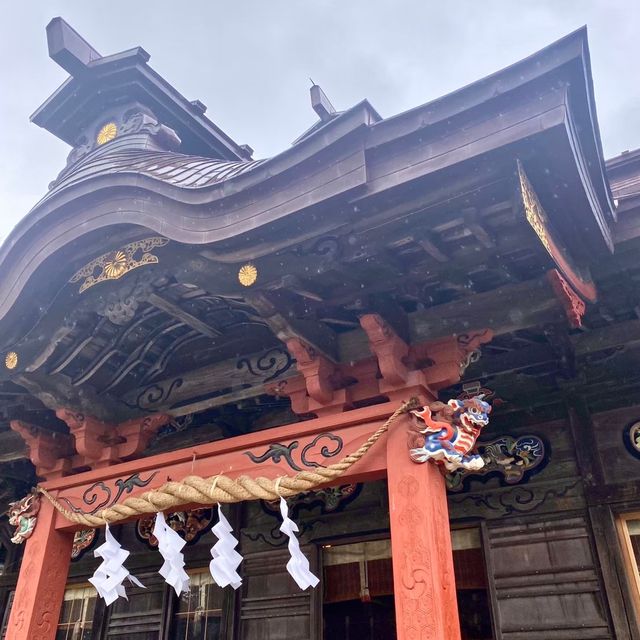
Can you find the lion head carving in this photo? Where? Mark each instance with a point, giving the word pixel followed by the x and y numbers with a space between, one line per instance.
pixel 447 433
pixel 23 515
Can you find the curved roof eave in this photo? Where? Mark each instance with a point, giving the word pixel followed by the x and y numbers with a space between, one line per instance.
pixel 203 214
pixel 572 48
pixel 258 172
pixel 195 215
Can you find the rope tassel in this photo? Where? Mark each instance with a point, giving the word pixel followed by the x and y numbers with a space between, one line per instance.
pixel 298 565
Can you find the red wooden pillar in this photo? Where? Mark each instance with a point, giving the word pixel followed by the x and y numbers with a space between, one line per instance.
pixel 43 575
pixel 423 578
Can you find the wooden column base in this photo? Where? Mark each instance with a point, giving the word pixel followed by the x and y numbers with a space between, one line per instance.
pixel 423 578
pixel 42 580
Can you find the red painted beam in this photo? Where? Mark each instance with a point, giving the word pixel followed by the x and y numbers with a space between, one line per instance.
pixel 302 442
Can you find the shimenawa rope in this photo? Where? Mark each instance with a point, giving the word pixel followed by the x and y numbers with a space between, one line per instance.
pixel 222 489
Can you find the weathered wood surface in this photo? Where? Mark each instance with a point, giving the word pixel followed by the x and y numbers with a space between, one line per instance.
pixel 618 464
pixel 143 614
pixel 12 447
pixel 185 317
pixel 501 310
pixel 214 385
pixel 272 606
pixel 276 314
pixel 545 580
pixel 615 578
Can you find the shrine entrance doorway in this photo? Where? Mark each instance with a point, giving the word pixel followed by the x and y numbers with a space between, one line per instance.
pixel 358 588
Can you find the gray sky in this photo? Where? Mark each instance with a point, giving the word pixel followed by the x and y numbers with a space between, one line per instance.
pixel 250 61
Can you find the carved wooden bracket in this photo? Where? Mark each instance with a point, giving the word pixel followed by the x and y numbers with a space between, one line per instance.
pixel 92 443
pixel 101 444
pixel 138 433
pixel 396 371
pixel 88 433
pixel 23 515
pixel 574 307
pixel 48 451
pixel 315 368
pixel 444 361
pixel 447 433
pixel 391 351
pixel 435 364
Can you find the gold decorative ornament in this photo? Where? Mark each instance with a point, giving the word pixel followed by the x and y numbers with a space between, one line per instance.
pixel 115 264
pixel 11 360
pixel 533 209
pixel 107 133
pixel 116 267
pixel 247 275
pixel 578 279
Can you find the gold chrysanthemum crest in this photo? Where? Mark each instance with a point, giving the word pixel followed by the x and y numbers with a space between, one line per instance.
pixel 247 275
pixel 107 133
pixel 11 360
pixel 115 264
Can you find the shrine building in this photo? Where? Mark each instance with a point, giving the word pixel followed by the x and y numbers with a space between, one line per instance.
pixel 383 385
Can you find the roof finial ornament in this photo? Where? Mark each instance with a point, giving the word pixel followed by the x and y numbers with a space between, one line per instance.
pixel 320 103
pixel 68 48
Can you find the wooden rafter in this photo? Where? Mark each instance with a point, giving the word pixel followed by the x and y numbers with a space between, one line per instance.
pixel 185 317
pixel 275 313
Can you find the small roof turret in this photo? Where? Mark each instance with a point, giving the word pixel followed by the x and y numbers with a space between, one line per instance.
pixel 110 96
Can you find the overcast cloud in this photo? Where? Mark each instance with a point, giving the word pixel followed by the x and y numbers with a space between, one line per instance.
pixel 250 61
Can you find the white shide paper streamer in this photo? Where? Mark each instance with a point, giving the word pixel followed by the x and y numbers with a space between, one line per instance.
pixel 170 545
pixel 298 565
pixel 225 557
pixel 108 577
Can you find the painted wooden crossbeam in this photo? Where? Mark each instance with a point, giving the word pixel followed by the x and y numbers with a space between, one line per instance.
pixel 271 453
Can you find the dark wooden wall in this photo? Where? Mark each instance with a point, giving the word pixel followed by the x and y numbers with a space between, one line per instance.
pixel 553 550
pixel 272 605
pixel 545 580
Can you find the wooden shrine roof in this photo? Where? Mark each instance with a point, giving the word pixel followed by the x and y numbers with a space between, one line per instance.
pixel 178 169
pixel 122 289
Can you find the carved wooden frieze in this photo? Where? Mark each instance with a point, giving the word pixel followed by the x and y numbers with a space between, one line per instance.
pixel 323 447
pixel 631 438
pixel 82 540
pixel 550 496
pixel 213 381
pixel 513 459
pixel 307 508
pixel 190 525
pixel 327 500
pixel 102 495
